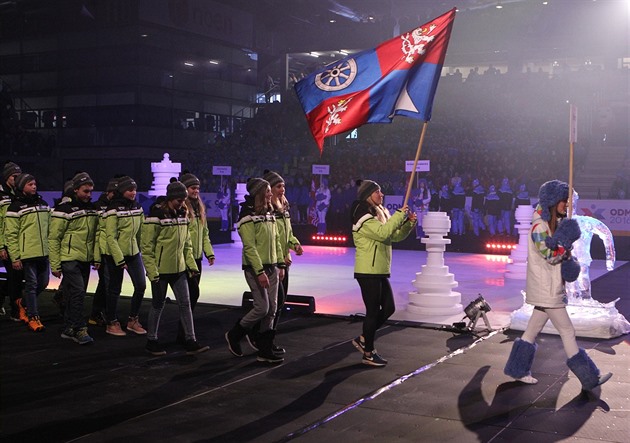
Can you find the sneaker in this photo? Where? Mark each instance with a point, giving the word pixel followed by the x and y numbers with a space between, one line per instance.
pixel 134 325
pixel 528 379
pixel 113 328
pixel 79 336
pixel 373 359
pixel 252 342
pixel 22 310
pixel 68 334
pixel 82 337
pixel 35 324
pixel 278 350
pixel 97 319
pixel 359 344
pixel 154 347
pixel 193 347
pixel 269 358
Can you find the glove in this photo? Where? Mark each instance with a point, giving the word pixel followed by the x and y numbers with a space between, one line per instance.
pixel 567 232
pixel 570 269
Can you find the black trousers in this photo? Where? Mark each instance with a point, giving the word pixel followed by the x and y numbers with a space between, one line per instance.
pixel 379 306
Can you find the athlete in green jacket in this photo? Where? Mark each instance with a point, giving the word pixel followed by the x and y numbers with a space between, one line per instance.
pixel 26 235
pixel 168 257
pixel 264 268
pixel 72 240
pixel 373 231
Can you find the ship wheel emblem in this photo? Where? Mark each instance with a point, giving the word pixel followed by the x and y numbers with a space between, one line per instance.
pixel 338 77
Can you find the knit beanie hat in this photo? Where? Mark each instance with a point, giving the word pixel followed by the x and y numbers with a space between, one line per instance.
pixel 366 188
pixel 80 179
pixel 112 184
pixel 550 194
pixel 189 180
pixel 22 179
pixel 176 190
pixel 255 185
pixel 273 178
pixel 9 169
pixel 125 184
pixel 68 188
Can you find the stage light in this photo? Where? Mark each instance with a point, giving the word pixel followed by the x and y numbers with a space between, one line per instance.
pixel 476 307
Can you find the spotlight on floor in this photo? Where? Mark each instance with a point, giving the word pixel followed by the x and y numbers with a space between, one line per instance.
pixel 475 310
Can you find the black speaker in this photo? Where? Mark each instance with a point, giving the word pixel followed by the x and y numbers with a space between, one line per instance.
pixel 303 304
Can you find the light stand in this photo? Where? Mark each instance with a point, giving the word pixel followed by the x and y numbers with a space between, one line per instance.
pixel 475 310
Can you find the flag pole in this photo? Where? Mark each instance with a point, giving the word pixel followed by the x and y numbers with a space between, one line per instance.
pixel 572 140
pixel 415 162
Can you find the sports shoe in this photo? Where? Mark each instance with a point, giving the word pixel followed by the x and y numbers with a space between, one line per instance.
pixel 113 328
pixel 269 357
pixel 527 379
pixel 193 347
pixel 373 359
pixel 68 334
pixel 278 350
pixel 134 325
pixel 79 336
pixel 359 344
pixel 154 347
pixel 22 310
pixel 82 337
pixel 97 319
pixel 35 324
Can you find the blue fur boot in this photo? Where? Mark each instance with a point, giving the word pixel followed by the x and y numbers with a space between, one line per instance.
pixel 585 370
pixel 520 362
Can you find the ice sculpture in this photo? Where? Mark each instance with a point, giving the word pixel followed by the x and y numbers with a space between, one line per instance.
pixel 579 291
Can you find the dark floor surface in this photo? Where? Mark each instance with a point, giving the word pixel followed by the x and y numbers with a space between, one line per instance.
pixel 439 386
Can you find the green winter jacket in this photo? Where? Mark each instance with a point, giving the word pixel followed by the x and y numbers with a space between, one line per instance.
pixel 261 242
pixel 373 239
pixel 285 232
pixel 101 234
pixel 6 197
pixel 200 237
pixel 166 247
pixel 72 235
pixel 26 227
pixel 123 223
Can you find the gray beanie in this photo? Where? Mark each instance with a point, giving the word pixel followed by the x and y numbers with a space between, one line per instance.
pixel 22 179
pixel 125 184
pixel 189 180
pixel 273 178
pixel 255 185
pixel 10 169
pixel 80 179
pixel 176 190
pixel 366 188
pixel 112 184
pixel 68 188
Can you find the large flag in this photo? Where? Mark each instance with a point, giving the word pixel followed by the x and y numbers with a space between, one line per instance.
pixel 398 77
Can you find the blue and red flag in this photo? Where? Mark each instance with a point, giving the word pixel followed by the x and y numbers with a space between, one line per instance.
pixel 398 77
